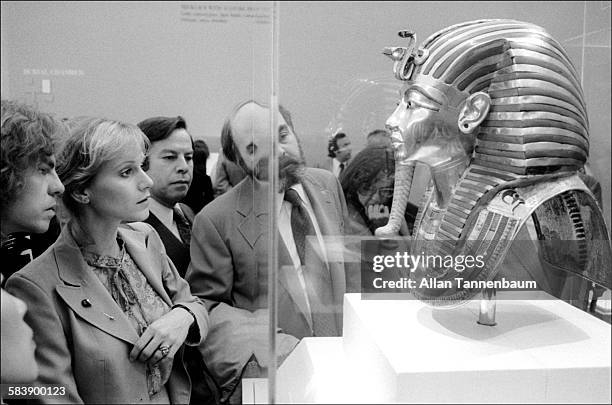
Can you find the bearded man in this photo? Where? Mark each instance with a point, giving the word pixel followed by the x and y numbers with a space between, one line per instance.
pixel 231 242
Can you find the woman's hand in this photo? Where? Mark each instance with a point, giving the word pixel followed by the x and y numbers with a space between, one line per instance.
pixel 163 337
pixel 378 215
pixel 377 212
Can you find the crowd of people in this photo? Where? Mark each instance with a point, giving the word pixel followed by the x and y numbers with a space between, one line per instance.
pixel 129 277
pixel 138 280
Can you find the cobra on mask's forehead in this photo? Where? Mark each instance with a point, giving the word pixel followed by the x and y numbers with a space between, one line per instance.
pixel 537 121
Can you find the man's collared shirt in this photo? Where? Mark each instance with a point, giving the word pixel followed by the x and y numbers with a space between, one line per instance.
pixel 165 215
pixel 336 167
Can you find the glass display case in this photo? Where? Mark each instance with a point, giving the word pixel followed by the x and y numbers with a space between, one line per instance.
pixel 309 298
pixel 393 348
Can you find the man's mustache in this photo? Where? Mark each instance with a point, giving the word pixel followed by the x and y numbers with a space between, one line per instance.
pixel 286 164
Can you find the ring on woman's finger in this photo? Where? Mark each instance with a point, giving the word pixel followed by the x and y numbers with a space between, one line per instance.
pixel 164 349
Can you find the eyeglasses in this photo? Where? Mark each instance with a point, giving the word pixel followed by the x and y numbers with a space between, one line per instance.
pixel 385 193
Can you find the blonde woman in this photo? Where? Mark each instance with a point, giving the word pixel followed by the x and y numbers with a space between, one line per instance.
pixel 109 311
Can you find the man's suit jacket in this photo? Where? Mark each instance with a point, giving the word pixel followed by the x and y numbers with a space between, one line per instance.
pixel 83 338
pixel 175 248
pixel 228 270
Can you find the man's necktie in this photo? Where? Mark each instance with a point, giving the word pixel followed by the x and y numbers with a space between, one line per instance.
pixel 301 225
pixel 316 274
pixel 183 225
pixel 341 169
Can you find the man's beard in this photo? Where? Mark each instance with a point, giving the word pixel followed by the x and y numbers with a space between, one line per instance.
pixel 290 170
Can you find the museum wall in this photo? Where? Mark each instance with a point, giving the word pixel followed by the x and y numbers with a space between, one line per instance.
pixel 132 60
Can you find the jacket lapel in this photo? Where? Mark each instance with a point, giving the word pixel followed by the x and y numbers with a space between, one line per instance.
pixel 137 248
pixel 84 293
pixel 251 206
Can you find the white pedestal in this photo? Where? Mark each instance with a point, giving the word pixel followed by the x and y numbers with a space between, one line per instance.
pixel 404 351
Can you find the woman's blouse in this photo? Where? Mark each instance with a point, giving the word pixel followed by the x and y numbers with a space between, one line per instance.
pixel 138 300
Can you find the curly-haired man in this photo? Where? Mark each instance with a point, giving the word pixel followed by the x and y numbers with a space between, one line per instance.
pixel 28 180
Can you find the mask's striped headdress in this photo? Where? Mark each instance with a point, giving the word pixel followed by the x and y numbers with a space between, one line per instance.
pixel 537 121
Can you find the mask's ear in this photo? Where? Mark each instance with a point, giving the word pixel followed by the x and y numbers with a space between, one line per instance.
pixel 473 112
